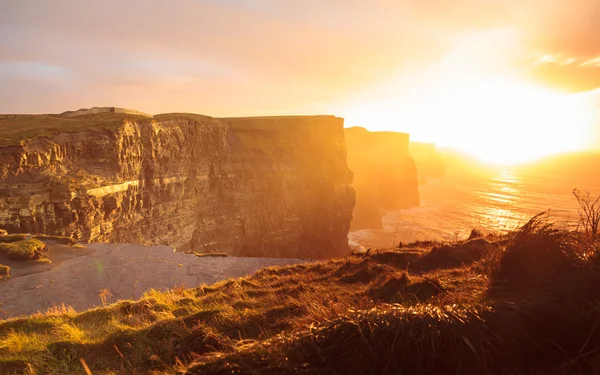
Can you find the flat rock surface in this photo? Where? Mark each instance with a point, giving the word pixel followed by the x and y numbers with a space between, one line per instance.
pixel 126 271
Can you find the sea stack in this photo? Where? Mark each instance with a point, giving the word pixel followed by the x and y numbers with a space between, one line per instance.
pixel 385 175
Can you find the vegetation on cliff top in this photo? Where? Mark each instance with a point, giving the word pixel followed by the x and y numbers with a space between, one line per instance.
pixel 15 130
pixel 525 303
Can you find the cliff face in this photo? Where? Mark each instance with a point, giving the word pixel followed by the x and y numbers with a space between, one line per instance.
pixel 250 186
pixel 385 175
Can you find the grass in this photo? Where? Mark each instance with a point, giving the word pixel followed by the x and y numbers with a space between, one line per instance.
pixel 28 249
pixel 4 272
pixel 59 239
pixel 525 304
pixel 188 116
pixel 16 130
pixel 12 238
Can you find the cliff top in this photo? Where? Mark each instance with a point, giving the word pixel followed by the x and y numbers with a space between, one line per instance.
pixel 291 117
pixel 96 110
pixel 381 142
pixel 358 130
pixel 189 116
pixel 17 128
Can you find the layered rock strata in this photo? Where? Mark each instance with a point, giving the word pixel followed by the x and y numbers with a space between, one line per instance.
pixel 272 186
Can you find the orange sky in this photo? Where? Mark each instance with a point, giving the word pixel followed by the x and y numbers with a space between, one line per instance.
pixel 450 72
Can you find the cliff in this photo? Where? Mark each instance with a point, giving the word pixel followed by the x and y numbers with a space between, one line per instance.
pixel 275 186
pixel 385 175
pixel 430 163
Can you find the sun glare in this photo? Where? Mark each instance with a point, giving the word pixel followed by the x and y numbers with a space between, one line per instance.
pixel 499 121
pixel 476 102
pixel 509 122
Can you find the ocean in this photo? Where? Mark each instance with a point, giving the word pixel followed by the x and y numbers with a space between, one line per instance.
pixel 491 199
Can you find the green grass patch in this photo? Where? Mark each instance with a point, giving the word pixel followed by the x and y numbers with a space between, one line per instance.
pixel 29 249
pixel 13 131
pixel 4 272
pixel 59 239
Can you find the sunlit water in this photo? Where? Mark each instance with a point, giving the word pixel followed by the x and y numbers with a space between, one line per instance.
pixel 495 200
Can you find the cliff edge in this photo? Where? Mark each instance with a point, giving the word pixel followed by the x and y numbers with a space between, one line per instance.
pixel 270 186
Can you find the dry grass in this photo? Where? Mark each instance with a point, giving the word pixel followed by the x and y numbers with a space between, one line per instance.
pixel 525 306
pixel 186 323
pixel 16 130
pixel 539 315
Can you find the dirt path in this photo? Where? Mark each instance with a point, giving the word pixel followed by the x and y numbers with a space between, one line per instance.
pixel 127 271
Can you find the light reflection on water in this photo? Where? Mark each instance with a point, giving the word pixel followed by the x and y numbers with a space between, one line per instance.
pixel 500 213
pixel 498 219
pixel 499 200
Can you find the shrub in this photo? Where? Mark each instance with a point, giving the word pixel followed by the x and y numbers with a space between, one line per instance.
pixel 589 212
pixel 23 250
pixel 540 258
pixel 4 272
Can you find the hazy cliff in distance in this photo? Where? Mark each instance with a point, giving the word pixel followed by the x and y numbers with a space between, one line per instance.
pixel 429 161
pixel 385 175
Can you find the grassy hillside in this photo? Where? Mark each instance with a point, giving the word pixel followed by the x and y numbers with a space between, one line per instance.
pixel 525 303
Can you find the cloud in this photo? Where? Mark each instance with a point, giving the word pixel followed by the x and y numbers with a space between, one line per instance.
pixel 240 56
pixel 568 73
pixel 326 50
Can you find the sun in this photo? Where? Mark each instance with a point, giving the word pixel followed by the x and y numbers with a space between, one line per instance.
pixel 497 120
pixel 478 100
pixel 504 122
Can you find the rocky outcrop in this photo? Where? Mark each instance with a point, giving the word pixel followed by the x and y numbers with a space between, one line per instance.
pixel 275 186
pixel 385 175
